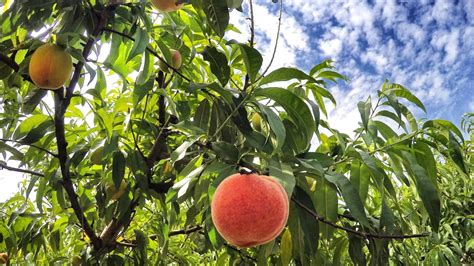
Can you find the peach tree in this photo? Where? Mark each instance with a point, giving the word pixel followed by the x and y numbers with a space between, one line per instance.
pixel 122 162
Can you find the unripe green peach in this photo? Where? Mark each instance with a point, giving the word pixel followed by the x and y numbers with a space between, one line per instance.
pixel 257 122
pixel 115 193
pixel 96 156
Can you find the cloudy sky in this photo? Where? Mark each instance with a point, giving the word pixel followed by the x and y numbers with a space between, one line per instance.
pixel 427 46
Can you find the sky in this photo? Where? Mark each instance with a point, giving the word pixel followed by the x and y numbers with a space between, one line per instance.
pixel 427 46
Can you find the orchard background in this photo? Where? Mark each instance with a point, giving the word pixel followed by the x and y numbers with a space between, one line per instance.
pixel 399 191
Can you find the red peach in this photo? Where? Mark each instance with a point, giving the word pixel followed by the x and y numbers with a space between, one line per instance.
pixel 249 209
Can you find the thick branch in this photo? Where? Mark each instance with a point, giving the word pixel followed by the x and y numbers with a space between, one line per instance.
pixel 354 232
pixel 31 145
pixel 61 104
pixel 19 170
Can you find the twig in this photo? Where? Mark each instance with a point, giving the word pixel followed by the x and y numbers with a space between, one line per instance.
pixel 14 169
pixel 31 145
pixel 185 231
pixel 354 232
pixel 153 52
pixel 132 243
pixel 276 43
pixel 252 37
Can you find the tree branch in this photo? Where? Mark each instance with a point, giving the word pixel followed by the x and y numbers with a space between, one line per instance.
pixel 13 65
pixel 354 232
pixel 31 145
pixel 185 231
pixel 61 105
pixel 19 170
pixel 9 62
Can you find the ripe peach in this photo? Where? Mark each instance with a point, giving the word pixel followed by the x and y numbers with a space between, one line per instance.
pixel 166 5
pixel 249 209
pixel 50 66
pixel 3 258
pixel 176 61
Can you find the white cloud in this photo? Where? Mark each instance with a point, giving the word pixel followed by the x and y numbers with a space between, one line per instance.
pixel 442 11
pixel 331 48
pixel 379 61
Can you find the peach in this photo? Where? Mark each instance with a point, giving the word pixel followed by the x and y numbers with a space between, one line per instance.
pixel 249 209
pixel 3 258
pixel 166 5
pixel 176 61
pixel 50 66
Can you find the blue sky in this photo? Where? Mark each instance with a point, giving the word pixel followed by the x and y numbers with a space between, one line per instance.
pixel 427 46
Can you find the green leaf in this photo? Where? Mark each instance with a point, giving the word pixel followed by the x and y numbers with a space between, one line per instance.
pixel 140 90
pixel 217 14
pixel 331 75
pixel 443 124
pixel 351 197
pixel 424 156
pixel 285 74
pixel 326 204
pixel 276 125
pixel 364 110
pixel 33 100
pixel 303 226
pixel 118 168
pixel 286 247
pixel 180 152
pixel 393 102
pixel 356 253
pixel 140 44
pixel 392 116
pixel 284 173
pixel 218 63
pixel 202 116
pixel 252 59
pixel 426 189
pixel 295 107
pixel 326 64
pixel 226 152
pixel 386 131
pixel 387 219
pixel 456 153
pixel 40 122
pixel 402 92
pixel 234 3
pixel 360 177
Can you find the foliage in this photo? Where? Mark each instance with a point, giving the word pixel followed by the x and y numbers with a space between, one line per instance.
pixel 400 190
